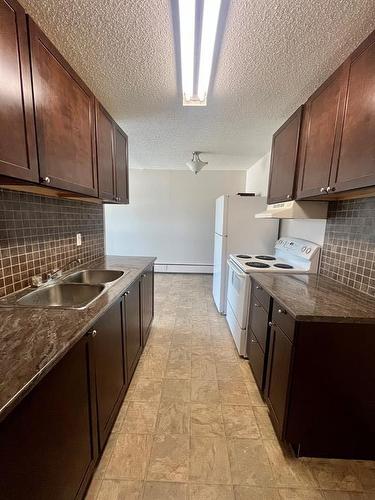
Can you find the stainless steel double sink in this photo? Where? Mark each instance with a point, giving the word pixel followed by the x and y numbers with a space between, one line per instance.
pixel 75 291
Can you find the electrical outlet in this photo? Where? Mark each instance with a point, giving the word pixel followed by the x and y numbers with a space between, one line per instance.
pixel 79 239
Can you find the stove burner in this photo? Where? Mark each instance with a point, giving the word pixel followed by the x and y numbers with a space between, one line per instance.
pixel 283 266
pixel 265 257
pixel 243 256
pixel 257 264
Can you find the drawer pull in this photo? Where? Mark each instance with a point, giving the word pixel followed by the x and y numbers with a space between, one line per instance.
pixel 258 287
pixel 281 311
pixel 94 333
pixel 271 324
pixel 253 341
pixel 256 305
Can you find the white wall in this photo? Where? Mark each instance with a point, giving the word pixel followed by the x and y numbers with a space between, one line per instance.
pixel 170 215
pixel 257 176
pixel 257 182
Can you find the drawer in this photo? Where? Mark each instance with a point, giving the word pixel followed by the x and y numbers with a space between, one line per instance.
pixel 261 295
pixel 283 320
pixel 258 321
pixel 256 359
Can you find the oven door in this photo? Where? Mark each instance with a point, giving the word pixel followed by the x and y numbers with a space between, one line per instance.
pixel 238 293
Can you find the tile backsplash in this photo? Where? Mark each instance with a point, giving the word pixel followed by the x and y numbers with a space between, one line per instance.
pixel 349 246
pixel 38 234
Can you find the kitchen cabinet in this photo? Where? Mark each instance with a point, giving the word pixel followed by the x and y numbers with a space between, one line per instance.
pixel 284 159
pixel 112 157
pixel 121 165
pixel 48 443
pixel 356 163
pixel 279 358
pixel 65 120
pixel 105 154
pixel 315 372
pixel 18 156
pixel 133 327
pixel 258 333
pixel 147 295
pixel 319 146
pixel 109 353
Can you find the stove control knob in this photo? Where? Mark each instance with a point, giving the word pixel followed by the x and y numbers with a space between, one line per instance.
pixel 303 249
pixel 308 250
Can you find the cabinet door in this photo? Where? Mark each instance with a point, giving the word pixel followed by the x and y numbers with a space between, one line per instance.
pixel 284 159
pixel 147 302
pixel 48 444
pixel 105 154
pixel 121 162
pixel 277 381
pixel 65 121
pixel 109 368
pixel 321 125
pixel 18 156
pixel 133 328
pixel 356 165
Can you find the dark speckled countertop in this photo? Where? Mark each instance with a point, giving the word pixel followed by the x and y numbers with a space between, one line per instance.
pixel 310 297
pixel 32 340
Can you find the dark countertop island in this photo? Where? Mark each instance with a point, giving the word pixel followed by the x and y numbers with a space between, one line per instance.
pixel 309 297
pixel 33 340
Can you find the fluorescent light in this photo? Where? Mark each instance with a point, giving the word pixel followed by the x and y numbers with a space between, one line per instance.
pixel 187 42
pixel 211 12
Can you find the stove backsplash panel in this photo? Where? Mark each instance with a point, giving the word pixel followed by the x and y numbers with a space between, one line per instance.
pixel 38 234
pixel 349 246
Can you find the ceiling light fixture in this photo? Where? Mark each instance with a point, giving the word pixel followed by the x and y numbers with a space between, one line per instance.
pixel 196 164
pixel 195 85
pixel 211 12
pixel 187 42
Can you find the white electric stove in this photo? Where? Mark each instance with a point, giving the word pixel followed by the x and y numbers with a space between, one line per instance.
pixel 291 255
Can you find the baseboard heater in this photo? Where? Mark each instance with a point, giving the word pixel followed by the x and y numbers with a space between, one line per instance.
pixel 184 268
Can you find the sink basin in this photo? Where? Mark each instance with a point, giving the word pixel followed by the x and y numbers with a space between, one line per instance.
pixel 62 295
pixel 94 276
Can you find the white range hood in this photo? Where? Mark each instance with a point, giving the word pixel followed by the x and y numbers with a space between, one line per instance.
pixel 295 210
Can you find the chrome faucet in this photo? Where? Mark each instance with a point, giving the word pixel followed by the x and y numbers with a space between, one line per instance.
pixel 58 272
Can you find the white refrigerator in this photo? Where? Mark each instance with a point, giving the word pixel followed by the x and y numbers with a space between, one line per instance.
pixel 238 232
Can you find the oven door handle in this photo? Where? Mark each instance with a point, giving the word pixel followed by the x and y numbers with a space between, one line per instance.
pixel 236 270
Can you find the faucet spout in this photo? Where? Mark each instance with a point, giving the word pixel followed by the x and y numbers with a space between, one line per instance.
pixel 58 272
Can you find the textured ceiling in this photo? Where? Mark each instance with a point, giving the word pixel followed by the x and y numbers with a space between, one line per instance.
pixel 274 53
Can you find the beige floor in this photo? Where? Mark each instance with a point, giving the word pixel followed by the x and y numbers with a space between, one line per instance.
pixel 193 426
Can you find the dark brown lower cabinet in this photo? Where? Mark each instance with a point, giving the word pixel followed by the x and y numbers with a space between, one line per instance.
pixel 147 295
pixel 48 443
pixel 277 382
pixel 110 372
pixel 133 327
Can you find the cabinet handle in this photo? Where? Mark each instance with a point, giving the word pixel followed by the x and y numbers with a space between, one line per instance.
pixel 126 293
pixel 47 180
pixel 323 190
pixel 258 287
pixel 270 324
pixel 253 341
pixel 93 333
pixel 330 189
pixel 288 196
pixel 281 311
pixel 256 305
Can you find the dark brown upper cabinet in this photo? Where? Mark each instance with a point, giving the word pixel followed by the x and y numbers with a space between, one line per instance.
pixel 121 165
pixel 321 126
pixel 356 163
pixel 112 155
pixel 105 154
pixel 284 159
pixel 18 157
pixel 65 123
